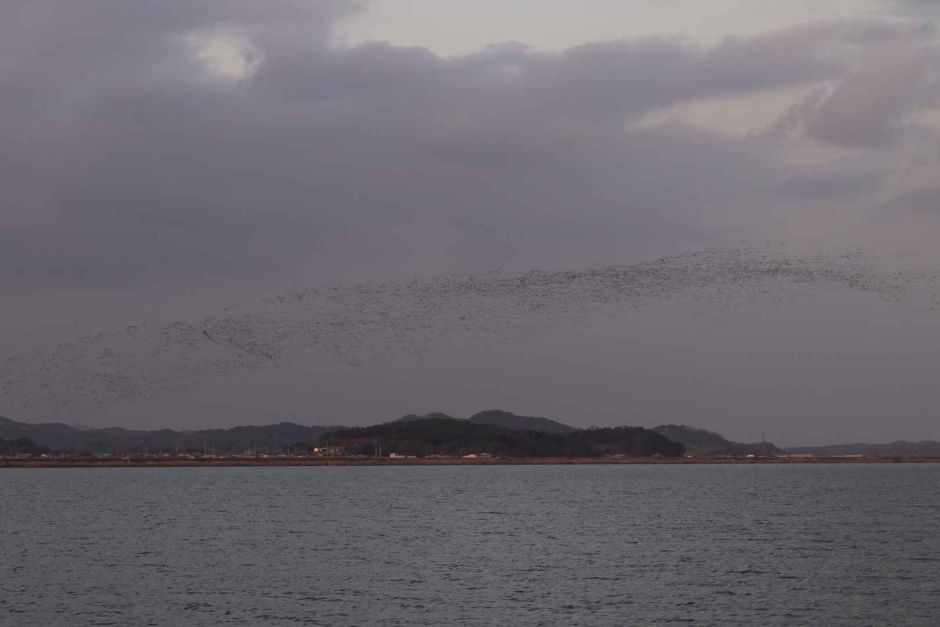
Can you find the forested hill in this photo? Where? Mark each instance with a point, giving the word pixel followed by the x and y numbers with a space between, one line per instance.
pixel 450 436
pixel 20 446
pixel 500 418
pixel 418 417
pixel 508 420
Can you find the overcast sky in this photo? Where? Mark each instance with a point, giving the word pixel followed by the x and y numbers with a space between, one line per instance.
pixel 162 161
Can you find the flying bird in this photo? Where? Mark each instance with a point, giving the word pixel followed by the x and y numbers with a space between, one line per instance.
pixel 362 322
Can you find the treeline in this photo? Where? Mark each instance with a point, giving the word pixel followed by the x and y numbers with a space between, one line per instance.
pixel 449 436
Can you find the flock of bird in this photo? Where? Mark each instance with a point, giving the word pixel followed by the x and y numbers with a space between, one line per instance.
pixel 362 322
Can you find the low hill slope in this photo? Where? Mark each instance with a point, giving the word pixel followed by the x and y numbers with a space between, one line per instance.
pixel 49 434
pixel 60 437
pixel 708 443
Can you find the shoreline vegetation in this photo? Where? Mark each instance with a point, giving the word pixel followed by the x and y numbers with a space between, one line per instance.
pixel 454 461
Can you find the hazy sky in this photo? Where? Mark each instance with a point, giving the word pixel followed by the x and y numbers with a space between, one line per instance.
pixel 165 160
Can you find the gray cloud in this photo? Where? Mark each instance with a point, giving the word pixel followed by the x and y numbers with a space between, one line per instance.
pixel 922 201
pixel 829 185
pixel 865 109
pixel 118 135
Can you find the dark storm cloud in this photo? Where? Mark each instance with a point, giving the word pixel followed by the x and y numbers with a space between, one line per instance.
pixel 128 161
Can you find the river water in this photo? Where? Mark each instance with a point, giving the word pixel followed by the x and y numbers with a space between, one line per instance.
pixel 508 545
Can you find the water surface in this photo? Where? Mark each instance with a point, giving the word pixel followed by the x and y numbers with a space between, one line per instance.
pixel 516 545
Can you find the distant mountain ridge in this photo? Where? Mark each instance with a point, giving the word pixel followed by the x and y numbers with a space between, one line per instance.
pixel 68 438
pixel 276 437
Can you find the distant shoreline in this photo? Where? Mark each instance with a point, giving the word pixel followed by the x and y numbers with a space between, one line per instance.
pixel 497 461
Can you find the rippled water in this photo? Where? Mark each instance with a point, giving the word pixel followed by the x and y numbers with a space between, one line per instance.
pixel 522 545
